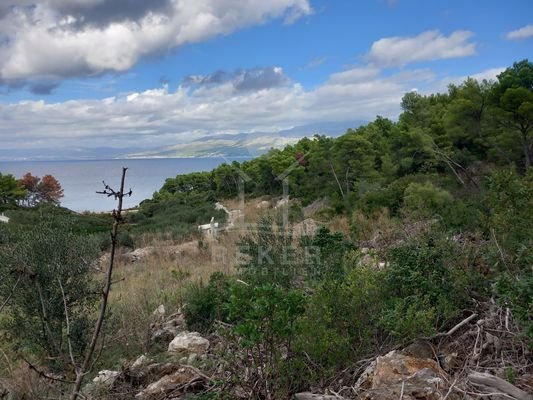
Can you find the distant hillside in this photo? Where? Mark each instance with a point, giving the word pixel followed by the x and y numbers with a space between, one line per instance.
pixel 248 144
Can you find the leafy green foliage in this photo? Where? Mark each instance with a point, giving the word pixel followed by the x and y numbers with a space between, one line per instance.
pixel 264 329
pixel 511 198
pixel 208 303
pixel 424 288
pixel 176 213
pixel 268 255
pixel 10 191
pixel 425 200
pixel 341 320
pixel 327 258
pixel 50 267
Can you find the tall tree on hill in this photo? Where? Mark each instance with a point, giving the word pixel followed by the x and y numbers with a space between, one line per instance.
pixel 30 183
pixel 41 190
pixel 514 105
pixel 50 190
pixel 10 191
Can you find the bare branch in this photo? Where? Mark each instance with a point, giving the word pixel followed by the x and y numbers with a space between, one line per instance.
pixel 10 294
pixel 44 374
pixel 337 179
pixel 69 342
pixel 117 216
pixel 495 384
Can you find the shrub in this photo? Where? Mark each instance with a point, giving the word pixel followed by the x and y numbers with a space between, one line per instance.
pixel 511 198
pixel 47 261
pixel 377 226
pixel 206 303
pixel 263 330
pixel 269 255
pixel 425 200
pixel 341 321
pixel 423 283
pixel 329 249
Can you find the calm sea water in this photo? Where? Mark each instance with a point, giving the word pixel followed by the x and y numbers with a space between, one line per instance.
pixel 81 179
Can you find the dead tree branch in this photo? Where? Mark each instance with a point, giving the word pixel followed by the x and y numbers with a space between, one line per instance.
pixel 493 383
pixel 337 179
pixel 11 293
pixel 67 319
pixel 117 216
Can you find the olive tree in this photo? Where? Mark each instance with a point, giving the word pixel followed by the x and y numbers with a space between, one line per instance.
pixel 48 289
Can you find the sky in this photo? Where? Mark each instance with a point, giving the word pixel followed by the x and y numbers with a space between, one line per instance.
pixel 90 74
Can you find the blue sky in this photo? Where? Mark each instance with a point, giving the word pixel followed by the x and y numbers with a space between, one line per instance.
pixel 91 74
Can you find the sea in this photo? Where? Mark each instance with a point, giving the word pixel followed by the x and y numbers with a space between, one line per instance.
pixel 81 180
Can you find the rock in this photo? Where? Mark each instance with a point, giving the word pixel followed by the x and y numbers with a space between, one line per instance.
pixel 161 336
pixel 188 342
pixel 312 396
pixel 106 378
pixel 138 254
pixel 282 203
pixel 169 383
pixel 147 374
pixel 166 331
pixel 160 311
pixel 396 373
pixel 140 362
pixel 263 205
pixel 315 207
pixel 419 349
pixel 175 323
pixel 220 206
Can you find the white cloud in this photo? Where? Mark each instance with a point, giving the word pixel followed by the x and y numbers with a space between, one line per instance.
pixel 160 117
pixel 429 45
pixel 522 33
pixel 489 74
pixel 46 42
pixel 354 75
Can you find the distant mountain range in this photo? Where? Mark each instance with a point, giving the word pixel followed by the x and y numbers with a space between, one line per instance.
pixel 247 144
pixel 218 145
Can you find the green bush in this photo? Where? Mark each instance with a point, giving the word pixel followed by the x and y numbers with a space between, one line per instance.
pixel 48 260
pixel 511 199
pixel 206 303
pixel 264 328
pixel 177 215
pixel 423 282
pixel 425 200
pixel 341 321
pixel 328 255
pixel 269 255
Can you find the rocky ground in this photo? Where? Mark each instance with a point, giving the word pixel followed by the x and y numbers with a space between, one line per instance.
pixel 481 357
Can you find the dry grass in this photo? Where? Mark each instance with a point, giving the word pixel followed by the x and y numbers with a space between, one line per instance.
pixel 339 223
pixel 163 276
pixel 252 212
pixel 160 278
pixel 24 383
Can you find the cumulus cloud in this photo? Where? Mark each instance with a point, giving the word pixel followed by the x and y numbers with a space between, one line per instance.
pixel 213 105
pixel 522 33
pixel 242 79
pixel 429 45
pixel 244 101
pixel 90 37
